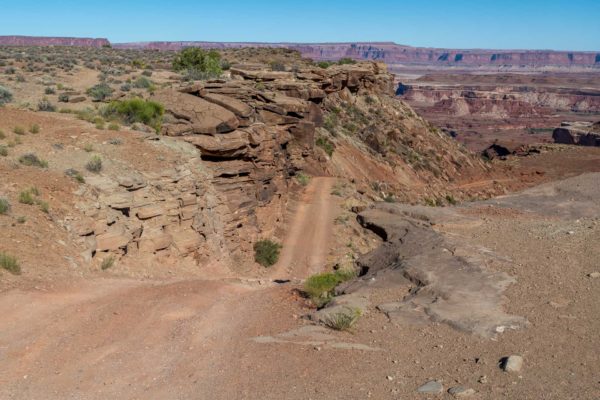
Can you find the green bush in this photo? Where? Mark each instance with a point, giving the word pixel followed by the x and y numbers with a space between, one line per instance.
pixel 3 151
pixel 319 288
pixel 35 128
pixel 6 95
pixel 143 83
pixel 326 145
pixel 9 263
pixel 18 130
pixel 324 64
pixel 100 92
pixel 27 197
pixel 346 60
pixel 302 178
pixel 32 160
pixel 266 252
pixel 4 206
pixel 195 59
pixel 136 110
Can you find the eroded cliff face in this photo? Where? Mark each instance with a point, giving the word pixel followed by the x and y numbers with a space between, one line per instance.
pixel 231 149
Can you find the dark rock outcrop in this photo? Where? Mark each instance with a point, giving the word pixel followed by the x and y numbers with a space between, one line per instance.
pixel 578 133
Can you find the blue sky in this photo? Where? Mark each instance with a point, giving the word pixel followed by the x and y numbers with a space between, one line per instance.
pixel 500 24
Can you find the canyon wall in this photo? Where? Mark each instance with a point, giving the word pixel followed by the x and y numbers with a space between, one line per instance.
pixel 392 53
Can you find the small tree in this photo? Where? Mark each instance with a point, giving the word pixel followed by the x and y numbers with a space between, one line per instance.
pixel 198 62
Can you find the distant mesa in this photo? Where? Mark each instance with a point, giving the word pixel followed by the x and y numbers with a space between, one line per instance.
pixel 392 53
pixel 52 41
pixel 388 52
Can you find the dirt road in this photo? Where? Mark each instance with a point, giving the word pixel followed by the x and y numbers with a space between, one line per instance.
pixel 308 239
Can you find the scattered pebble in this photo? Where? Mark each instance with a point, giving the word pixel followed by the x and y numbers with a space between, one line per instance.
pixel 482 379
pixel 512 363
pixel 594 275
pixel 390 378
pixel 431 387
pixel 461 391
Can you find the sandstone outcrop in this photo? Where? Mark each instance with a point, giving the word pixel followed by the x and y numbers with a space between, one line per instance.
pixel 578 133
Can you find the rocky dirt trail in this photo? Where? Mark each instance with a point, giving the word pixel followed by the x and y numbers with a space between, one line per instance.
pixel 309 236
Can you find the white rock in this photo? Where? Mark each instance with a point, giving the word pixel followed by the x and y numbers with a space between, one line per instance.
pixel 431 387
pixel 512 363
pixel 461 391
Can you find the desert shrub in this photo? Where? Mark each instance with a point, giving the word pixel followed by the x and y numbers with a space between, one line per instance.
pixel 94 164
pixel 450 199
pixel 49 90
pixel 4 206
pixel 346 60
pixel 225 65
pixel 126 87
pixel 266 252
pixel 32 160
pixel 63 98
pixel 147 73
pixel 19 130
pixel 6 95
pixel 303 178
pixel 277 66
pixel 330 122
pixel 2 134
pixel 45 105
pixel 206 64
pixel 21 219
pixel 44 206
pixel 326 145
pixel 9 263
pixel 343 320
pixel 3 151
pixel 100 92
pixel 136 110
pixel 35 128
pixel 73 173
pixel 107 263
pixel 143 83
pixel 27 197
pixel 88 147
pixel 319 288
pixel 113 126
pixel 324 64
